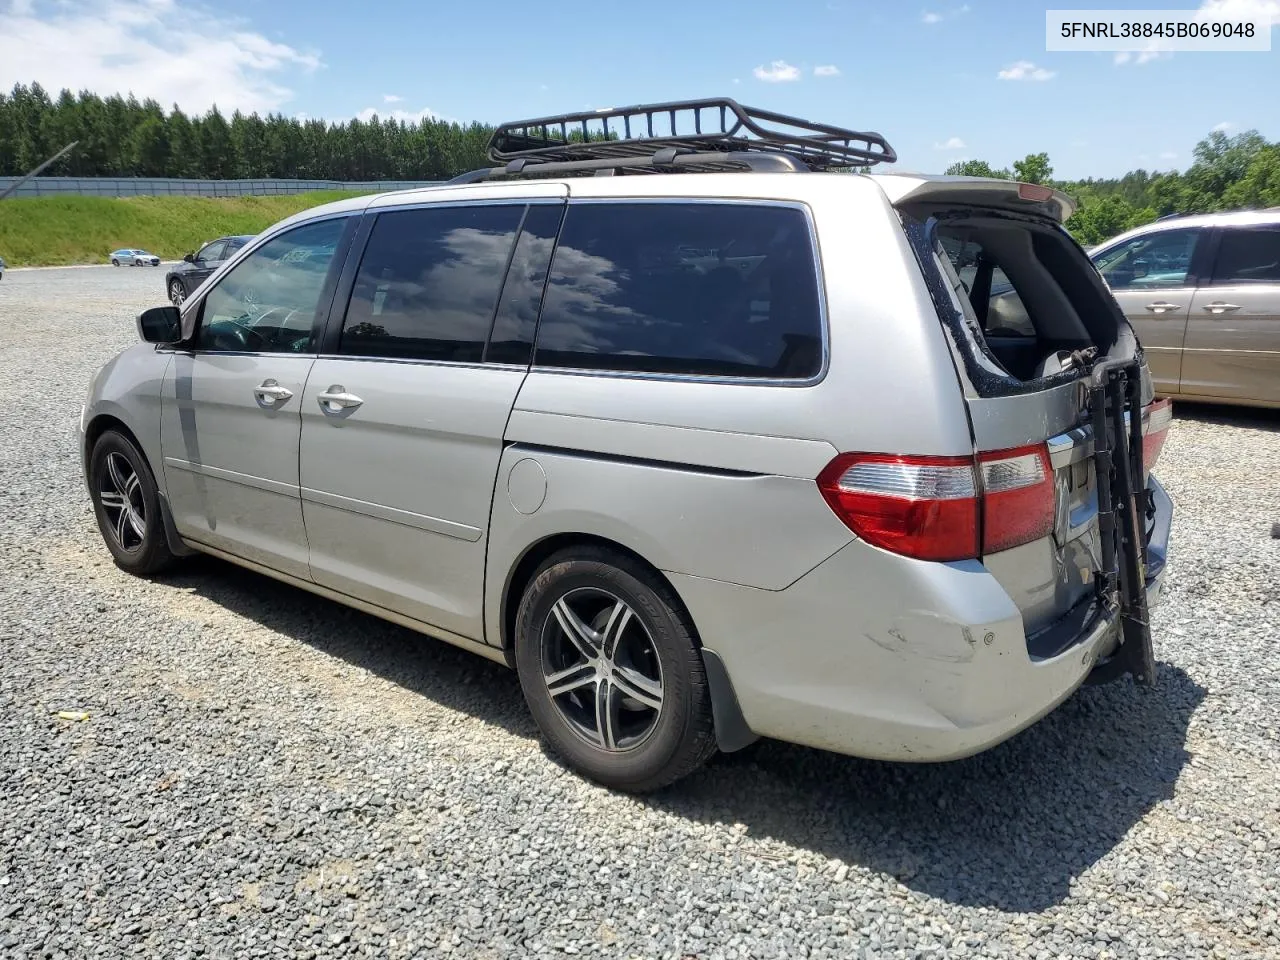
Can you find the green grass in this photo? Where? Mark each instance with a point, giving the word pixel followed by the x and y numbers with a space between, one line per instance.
pixel 55 231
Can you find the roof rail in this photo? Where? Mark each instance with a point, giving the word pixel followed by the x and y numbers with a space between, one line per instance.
pixel 690 135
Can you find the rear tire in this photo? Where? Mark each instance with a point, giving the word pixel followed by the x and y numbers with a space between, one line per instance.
pixel 126 504
pixel 177 293
pixel 115 262
pixel 609 664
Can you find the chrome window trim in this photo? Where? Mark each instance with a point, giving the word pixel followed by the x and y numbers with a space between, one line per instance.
pixel 819 277
pixel 416 361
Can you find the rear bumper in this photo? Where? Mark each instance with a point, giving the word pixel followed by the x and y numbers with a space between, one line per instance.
pixel 885 657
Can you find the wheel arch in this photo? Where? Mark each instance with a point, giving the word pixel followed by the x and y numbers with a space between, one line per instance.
pixel 94 429
pixel 732 732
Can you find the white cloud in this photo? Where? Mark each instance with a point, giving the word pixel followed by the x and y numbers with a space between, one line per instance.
pixel 1168 155
pixel 1025 70
pixel 175 53
pixel 405 116
pixel 1224 126
pixel 953 143
pixel 1138 58
pixel 736 81
pixel 930 17
pixel 1242 9
pixel 396 98
pixel 777 72
pixel 826 70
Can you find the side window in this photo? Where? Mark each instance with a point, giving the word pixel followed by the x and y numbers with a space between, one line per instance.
pixel 428 283
pixel 212 252
pixel 1151 261
pixel 723 289
pixel 269 301
pixel 1249 255
pixel 517 317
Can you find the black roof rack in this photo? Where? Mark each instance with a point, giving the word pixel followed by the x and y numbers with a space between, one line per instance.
pixel 690 135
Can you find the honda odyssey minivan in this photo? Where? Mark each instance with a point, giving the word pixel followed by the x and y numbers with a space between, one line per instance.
pixel 706 436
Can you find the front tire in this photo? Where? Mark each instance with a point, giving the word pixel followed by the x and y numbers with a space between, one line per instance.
pixel 126 504
pixel 609 664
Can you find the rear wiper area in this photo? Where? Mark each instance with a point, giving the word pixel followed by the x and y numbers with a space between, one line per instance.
pixel 1114 386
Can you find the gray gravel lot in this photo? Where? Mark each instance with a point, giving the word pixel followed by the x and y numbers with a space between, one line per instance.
pixel 264 773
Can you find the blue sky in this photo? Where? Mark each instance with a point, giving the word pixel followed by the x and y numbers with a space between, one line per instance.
pixel 942 80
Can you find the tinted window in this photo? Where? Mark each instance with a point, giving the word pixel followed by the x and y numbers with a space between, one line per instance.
pixel 693 288
pixel 517 317
pixel 212 252
pixel 1153 260
pixel 268 302
pixel 1249 256
pixel 428 283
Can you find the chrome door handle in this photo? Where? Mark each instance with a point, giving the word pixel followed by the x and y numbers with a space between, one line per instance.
pixel 271 391
pixel 1161 306
pixel 1219 307
pixel 336 399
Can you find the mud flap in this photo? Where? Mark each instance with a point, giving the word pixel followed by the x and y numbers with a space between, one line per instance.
pixel 1123 509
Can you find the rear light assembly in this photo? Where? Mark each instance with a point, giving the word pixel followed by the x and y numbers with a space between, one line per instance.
pixel 1155 430
pixel 1018 497
pixel 923 507
pixel 943 508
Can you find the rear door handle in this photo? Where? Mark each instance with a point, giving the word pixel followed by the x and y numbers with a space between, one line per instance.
pixel 1161 306
pixel 1219 307
pixel 270 391
pixel 336 399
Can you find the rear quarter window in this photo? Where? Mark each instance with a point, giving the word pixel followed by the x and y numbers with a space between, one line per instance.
pixel 699 289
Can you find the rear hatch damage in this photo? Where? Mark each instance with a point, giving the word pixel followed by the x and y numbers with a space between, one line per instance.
pixel 1048 363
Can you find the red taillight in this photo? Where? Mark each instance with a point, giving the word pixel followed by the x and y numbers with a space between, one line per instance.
pixel 923 507
pixel 1155 430
pixel 928 507
pixel 1018 497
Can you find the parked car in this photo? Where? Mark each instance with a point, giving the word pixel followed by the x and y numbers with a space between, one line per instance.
pixel 1203 293
pixel 134 258
pixel 183 278
pixel 1 268
pixel 704 456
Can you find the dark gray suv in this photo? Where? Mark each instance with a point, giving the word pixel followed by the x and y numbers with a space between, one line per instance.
pixel 197 267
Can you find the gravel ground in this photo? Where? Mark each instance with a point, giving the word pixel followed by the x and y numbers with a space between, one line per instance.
pixel 264 773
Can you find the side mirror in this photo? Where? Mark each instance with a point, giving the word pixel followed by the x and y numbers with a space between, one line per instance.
pixel 160 324
pixel 189 258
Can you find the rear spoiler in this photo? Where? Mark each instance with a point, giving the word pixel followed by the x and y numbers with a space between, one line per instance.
pixel 1012 195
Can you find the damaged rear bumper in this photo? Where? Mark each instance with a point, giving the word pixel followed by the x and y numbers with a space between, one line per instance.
pixel 882 656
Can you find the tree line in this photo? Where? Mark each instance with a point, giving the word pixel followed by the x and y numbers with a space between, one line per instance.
pixel 1228 173
pixel 124 137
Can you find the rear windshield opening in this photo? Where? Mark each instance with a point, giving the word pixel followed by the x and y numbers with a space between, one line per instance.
pixel 1022 294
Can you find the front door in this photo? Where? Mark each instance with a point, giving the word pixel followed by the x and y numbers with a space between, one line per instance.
pixel 230 401
pixel 1152 280
pixel 402 425
pixel 1233 337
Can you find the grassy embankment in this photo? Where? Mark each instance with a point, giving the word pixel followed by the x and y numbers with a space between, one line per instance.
pixel 53 231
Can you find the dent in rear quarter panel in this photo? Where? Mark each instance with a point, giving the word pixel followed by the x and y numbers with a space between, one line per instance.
pixel 128 388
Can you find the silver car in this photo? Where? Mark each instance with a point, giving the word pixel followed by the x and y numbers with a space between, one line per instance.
pixel 1203 293
pixel 133 258
pixel 705 456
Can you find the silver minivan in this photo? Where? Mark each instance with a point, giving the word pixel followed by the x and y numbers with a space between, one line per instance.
pixel 735 448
